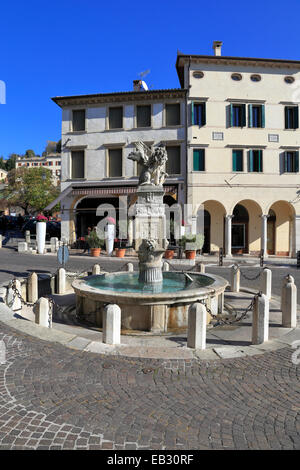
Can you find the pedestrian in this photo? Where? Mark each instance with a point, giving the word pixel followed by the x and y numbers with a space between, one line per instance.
pixel 86 245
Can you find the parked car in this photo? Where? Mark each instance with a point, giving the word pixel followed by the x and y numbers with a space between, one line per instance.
pixel 52 228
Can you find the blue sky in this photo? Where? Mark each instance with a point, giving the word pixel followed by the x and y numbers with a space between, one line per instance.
pixel 71 47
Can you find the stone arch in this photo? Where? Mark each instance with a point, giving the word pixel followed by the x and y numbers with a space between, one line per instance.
pixel 250 227
pixel 213 225
pixel 283 227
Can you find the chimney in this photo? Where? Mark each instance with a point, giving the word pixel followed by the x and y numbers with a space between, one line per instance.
pixel 137 85
pixel 217 45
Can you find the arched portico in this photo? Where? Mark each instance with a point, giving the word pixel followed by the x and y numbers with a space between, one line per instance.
pixel 214 213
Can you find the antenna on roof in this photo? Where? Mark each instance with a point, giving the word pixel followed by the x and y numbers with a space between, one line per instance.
pixel 143 74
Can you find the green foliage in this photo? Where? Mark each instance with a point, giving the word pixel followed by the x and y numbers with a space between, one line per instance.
pixel 30 154
pixel 94 241
pixel 2 163
pixel 30 189
pixel 198 239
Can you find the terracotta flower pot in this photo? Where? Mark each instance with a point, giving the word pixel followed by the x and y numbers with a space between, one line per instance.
pixel 95 251
pixel 190 254
pixel 169 254
pixel 120 252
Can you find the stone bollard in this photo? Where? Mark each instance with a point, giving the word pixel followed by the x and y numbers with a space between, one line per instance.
pixel 221 299
pixel 27 237
pixel 96 269
pixel 166 266
pixel 42 313
pixel 32 288
pixel 235 279
pixel 129 267
pixel 201 268
pixel 260 321
pixel 266 283
pixel 61 281
pixel 283 291
pixel 196 337
pixel 54 244
pixel 112 324
pixel 17 304
pixel 22 247
pixel 289 303
pixel 0 241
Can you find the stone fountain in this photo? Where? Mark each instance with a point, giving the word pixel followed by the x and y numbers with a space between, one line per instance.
pixel 150 300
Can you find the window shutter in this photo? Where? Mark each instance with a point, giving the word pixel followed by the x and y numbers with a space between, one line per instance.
pixel 243 115
pixel 195 160
pixel 203 114
pixel 260 162
pixel 296 118
pixel 192 107
pixel 231 114
pixel 263 119
pixel 285 117
pixel 297 161
pixel 250 160
pixel 250 117
pixel 285 156
pixel 234 158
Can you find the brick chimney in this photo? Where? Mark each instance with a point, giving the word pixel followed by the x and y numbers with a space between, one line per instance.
pixel 137 85
pixel 217 46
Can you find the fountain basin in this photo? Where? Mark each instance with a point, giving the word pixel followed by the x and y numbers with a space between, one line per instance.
pixel 157 308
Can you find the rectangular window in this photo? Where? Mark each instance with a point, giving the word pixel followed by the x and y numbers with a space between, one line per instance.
pixel 198 160
pixel 291 117
pixel 255 161
pixel 115 117
pixel 237 160
pixel 143 116
pixel 114 162
pixel 78 123
pixel 198 114
pixel 77 164
pixel 256 114
pixel 172 114
pixel 238 115
pixel 173 163
pixel 291 162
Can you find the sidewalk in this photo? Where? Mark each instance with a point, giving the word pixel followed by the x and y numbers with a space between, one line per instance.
pixel 223 341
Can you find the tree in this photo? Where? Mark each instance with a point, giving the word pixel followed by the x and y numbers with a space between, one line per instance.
pixel 11 161
pixel 2 163
pixel 30 154
pixel 31 189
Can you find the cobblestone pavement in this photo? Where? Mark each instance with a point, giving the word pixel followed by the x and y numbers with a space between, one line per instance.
pixel 52 397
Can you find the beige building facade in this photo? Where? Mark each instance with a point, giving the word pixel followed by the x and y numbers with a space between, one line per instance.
pixel 51 161
pixel 243 151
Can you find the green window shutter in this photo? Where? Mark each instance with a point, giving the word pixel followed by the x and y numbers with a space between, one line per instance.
pixel 250 160
pixel 234 160
pixel 260 160
pixel 203 114
pixel 285 117
pixel 296 118
pixel 285 157
pixel 250 115
pixel 192 107
pixel 263 119
pixel 297 161
pixel 231 114
pixel 196 160
pixel 243 115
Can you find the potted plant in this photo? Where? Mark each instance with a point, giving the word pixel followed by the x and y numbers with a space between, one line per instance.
pixel 95 243
pixel 41 224
pixel 169 254
pixel 188 242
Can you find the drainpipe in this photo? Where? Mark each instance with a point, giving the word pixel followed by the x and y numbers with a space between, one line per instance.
pixel 186 132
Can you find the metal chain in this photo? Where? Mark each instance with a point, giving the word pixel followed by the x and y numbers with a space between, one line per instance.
pixel 243 315
pixel 16 293
pixel 237 266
